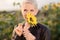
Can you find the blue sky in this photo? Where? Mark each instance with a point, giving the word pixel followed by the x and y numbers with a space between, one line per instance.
pixel 8 4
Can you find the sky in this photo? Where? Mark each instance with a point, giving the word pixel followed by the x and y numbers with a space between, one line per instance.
pixel 8 4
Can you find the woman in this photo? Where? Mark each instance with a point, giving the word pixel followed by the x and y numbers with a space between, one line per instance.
pixel 25 31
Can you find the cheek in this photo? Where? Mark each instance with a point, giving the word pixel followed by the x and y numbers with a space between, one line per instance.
pixel 34 13
pixel 23 14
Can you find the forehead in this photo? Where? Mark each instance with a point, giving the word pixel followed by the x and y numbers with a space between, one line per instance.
pixel 28 5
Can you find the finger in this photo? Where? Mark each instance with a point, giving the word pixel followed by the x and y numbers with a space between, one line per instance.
pixel 18 29
pixel 20 25
pixel 27 26
pixel 18 32
pixel 25 35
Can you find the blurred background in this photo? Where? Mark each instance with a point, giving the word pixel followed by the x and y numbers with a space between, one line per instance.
pixel 48 15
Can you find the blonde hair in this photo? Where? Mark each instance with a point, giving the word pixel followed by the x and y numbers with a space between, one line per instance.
pixel 29 1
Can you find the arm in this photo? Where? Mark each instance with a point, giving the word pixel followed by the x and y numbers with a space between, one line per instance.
pixel 14 35
pixel 47 35
pixel 43 34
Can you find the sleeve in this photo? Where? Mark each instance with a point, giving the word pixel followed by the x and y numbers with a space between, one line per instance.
pixel 14 35
pixel 47 34
pixel 43 33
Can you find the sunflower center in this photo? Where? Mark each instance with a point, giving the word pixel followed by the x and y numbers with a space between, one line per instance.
pixel 31 19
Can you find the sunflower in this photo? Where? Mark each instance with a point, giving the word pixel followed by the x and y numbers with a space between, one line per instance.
pixel 53 6
pixel 46 7
pixel 58 4
pixel 31 19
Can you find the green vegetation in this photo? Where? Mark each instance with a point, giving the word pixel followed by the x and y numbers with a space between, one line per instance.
pixel 49 17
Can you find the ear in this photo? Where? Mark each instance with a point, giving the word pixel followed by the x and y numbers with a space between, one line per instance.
pixel 36 11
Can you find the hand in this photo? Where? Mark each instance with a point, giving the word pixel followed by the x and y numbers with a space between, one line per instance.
pixel 27 26
pixel 19 30
pixel 27 33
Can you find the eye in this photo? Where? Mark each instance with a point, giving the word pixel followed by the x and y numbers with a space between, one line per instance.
pixel 25 10
pixel 31 10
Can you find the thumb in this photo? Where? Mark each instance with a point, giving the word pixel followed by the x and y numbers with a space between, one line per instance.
pixel 20 25
pixel 27 26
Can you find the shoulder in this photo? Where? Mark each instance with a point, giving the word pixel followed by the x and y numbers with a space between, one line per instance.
pixel 43 31
pixel 42 27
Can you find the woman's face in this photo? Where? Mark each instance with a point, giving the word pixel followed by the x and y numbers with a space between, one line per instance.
pixel 28 7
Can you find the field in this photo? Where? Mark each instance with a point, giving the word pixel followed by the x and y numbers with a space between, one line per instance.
pixel 49 16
